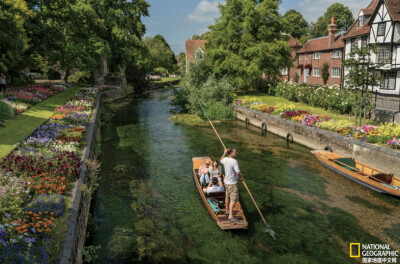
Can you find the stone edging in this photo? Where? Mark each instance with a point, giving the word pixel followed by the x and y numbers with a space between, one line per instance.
pixel 382 158
pixel 77 222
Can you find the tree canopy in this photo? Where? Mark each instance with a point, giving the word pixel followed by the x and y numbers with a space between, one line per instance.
pixel 343 19
pixel 296 25
pixel 246 41
pixel 160 52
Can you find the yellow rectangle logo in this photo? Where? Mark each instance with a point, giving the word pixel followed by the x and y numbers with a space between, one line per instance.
pixel 355 248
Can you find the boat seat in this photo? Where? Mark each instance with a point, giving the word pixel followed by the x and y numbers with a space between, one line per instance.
pixel 387 178
pixel 347 163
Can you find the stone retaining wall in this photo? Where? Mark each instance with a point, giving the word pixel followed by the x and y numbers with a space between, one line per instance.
pixel 77 222
pixel 382 158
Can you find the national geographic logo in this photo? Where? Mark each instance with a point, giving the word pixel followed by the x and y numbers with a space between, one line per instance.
pixel 373 253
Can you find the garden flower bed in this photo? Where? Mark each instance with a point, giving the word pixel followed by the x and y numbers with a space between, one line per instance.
pixel 384 134
pixel 36 177
pixel 24 99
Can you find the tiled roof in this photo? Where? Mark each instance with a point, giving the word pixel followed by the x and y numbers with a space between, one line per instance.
pixel 364 30
pixel 320 44
pixel 394 9
pixel 192 46
pixel 293 42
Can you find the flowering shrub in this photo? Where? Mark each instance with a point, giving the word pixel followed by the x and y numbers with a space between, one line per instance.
pixel 394 143
pixel 47 202
pixel 14 193
pixel 18 106
pixel 291 114
pixel 328 97
pixel 61 146
pixel 47 183
pixel 41 223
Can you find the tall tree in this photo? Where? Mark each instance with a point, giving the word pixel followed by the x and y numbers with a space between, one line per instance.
pixel 161 53
pixel 343 19
pixel 246 41
pixel 296 25
pixel 14 41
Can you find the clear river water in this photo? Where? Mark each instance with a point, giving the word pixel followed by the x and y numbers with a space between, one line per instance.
pixel 147 208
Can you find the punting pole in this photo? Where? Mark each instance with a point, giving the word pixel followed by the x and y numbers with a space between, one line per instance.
pixel 269 229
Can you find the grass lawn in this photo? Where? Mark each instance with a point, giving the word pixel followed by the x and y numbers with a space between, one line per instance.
pixel 167 79
pixel 273 100
pixel 25 123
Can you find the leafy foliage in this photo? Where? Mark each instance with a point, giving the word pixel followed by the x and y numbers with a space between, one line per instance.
pixel 325 72
pixel 6 111
pixel 160 52
pixel 296 25
pixel 343 19
pixel 246 41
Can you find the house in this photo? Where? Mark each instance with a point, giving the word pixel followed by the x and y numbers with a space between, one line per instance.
pixel 289 74
pixel 316 52
pixel 194 50
pixel 379 24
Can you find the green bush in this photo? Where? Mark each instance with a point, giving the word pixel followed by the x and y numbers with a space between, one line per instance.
pixel 220 111
pixel 160 71
pixel 6 111
pixel 328 97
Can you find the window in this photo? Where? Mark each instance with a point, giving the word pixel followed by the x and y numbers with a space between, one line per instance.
pixel 364 42
pixel 353 45
pixel 299 71
pixel 284 71
pixel 336 54
pixel 381 29
pixel 199 54
pixel 361 21
pixel 335 72
pixel 300 57
pixel 384 54
pixel 316 72
pixel 389 83
pixel 305 56
pixel 317 55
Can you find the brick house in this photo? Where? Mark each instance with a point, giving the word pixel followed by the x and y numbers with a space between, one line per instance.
pixel 288 74
pixel 316 52
pixel 379 24
pixel 194 50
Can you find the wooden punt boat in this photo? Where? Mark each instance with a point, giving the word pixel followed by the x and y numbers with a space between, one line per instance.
pixel 219 217
pixel 360 173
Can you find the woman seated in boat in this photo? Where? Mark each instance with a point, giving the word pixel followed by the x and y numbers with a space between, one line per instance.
pixel 203 172
pixel 214 186
pixel 216 171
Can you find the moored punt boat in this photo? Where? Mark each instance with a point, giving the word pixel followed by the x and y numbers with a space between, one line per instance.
pixel 360 173
pixel 219 217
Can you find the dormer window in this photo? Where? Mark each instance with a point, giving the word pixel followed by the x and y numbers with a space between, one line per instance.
pixel 361 21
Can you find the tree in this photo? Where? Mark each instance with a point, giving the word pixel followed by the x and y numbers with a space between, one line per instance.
pixel 362 76
pixel 343 19
pixel 296 25
pixel 246 41
pixel 160 52
pixel 14 40
pixel 325 72
pixel 203 36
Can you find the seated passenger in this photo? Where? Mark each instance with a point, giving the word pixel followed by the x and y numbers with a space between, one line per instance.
pixel 216 171
pixel 214 186
pixel 203 172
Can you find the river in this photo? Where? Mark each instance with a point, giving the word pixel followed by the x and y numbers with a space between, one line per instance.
pixel 147 209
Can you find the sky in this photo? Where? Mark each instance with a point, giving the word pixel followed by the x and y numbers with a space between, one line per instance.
pixel 178 20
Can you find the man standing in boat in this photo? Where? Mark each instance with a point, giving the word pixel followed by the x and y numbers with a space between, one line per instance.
pixel 232 174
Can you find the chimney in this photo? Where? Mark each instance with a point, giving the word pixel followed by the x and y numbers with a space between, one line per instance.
pixel 332 30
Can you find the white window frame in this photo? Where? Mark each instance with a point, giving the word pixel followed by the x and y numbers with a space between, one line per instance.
pixel 284 71
pixel 336 54
pixel 384 54
pixel 316 72
pixel 299 72
pixel 305 55
pixel 389 83
pixel 335 72
pixel 361 21
pixel 353 45
pixel 317 55
pixel 299 56
pixel 364 42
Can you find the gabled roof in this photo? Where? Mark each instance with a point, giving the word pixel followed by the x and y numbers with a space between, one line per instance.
pixel 192 46
pixel 321 44
pixel 364 30
pixel 394 9
pixel 293 43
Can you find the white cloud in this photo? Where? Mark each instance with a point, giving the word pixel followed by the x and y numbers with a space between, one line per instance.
pixel 205 12
pixel 312 9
